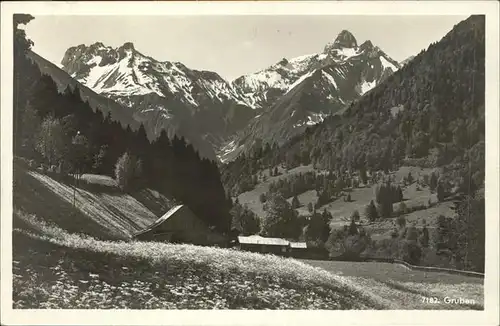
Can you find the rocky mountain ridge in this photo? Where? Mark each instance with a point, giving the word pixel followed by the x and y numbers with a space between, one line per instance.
pixel 213 113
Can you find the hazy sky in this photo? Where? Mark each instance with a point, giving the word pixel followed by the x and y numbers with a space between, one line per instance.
pixel 234 45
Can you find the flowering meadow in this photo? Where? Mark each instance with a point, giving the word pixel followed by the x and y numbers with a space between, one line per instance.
pixel 55 269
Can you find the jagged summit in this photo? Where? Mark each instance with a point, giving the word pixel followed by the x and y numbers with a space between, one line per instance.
pixel 127 46
pixel 345 39
pixel 97 45
pixel 367 45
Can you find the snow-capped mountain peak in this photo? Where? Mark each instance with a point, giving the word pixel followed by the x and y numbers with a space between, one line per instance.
pixel 264 87
pixel 287 96
pixel 161 94
pixel 124 71
pixel 298 92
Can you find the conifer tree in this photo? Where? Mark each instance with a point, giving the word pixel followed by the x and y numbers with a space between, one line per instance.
pixel 371 212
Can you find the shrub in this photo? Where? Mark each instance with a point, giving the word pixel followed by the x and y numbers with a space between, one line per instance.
pixel 424 237
pixel 410 178
pixel 426 179
pixel 412 233
pixel 401 222
pixel 371 211
pixel 128 169
pixel 440 192
pixel 348 242
pixel 310 207
pixel 411 252
pixel 244 220
pixel 402 208
pixel 433 181
pixel 355 216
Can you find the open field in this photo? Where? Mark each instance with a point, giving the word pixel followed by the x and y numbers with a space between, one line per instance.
pixel 251 198
pixel 409 286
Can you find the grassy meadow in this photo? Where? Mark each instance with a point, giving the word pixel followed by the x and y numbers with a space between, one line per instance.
pixel 55 269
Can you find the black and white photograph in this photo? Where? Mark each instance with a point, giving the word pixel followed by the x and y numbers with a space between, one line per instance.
pixel 199 159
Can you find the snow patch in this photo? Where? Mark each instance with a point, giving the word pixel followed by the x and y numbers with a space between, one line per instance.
pixel 228 149
pixel 97 60
pixel 330 78
pixel 386 64
pixel 322 56
pixel 300 80
pixel 366 86
pixel 348 52
pixel 312 119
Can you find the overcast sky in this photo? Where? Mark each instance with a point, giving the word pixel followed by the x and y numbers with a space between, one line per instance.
pixel 234 45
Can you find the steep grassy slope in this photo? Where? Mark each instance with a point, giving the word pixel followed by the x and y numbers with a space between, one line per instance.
pixel 251 198
pixel 92 208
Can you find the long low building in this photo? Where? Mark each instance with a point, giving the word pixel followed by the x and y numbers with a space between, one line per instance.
pixel 277 246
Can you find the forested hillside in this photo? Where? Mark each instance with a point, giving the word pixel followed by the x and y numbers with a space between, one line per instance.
pixel 61 132
pixel 430 116
pixel 429 113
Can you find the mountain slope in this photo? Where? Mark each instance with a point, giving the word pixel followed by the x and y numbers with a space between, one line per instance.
pixel 407 60
pixel 436 99
pixel 198 105
pixel 263 88
pixel 430 112
pixel 119 111
pixel 302 91
pixel 63 80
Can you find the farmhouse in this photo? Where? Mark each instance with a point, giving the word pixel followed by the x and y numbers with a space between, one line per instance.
pixel 276 246
pixel 180 225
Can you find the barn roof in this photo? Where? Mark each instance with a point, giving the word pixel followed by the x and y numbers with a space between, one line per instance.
pixel 162 219
pixel 256 239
